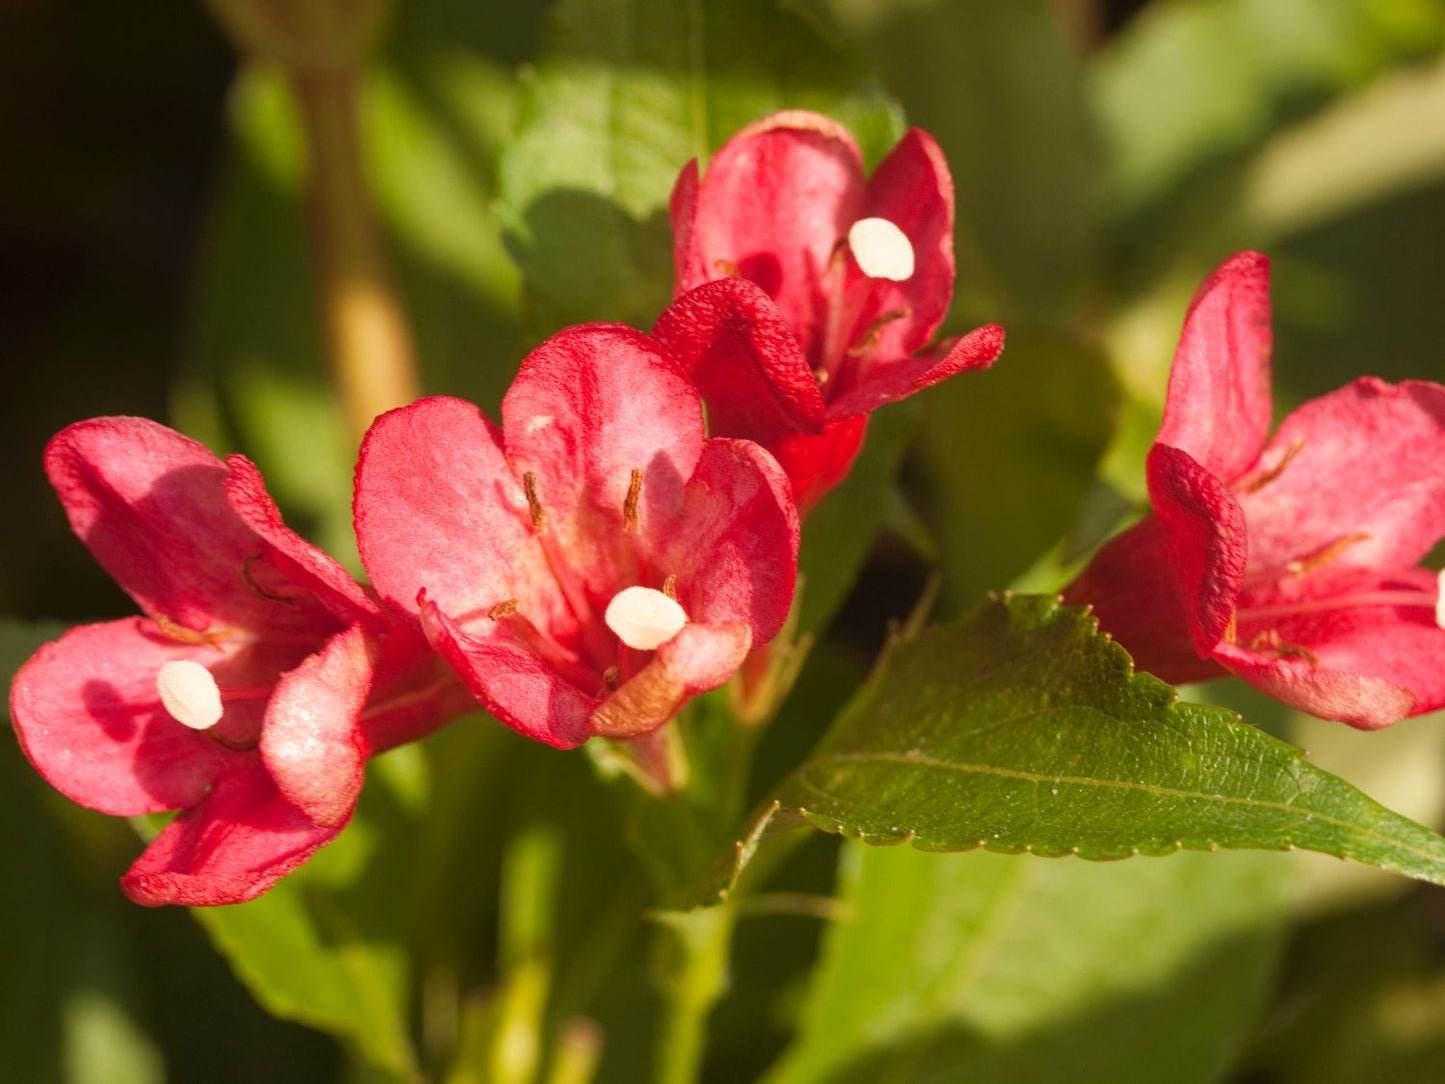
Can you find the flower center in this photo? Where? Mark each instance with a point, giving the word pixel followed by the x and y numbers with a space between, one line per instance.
pixel 189 694
pixel 882 250
pixel 644 618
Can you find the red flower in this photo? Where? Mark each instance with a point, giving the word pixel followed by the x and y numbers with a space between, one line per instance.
pixel 596 562
pixel 1292 561
pixel 829 287
pixel 240 698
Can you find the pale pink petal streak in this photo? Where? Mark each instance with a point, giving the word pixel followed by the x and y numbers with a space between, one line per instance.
pixel 311 742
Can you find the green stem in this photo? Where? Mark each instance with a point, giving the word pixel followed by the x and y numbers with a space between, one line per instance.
pixel 366 329
pixel 695 959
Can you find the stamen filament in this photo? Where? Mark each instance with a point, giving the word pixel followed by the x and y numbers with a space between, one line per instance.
pixel 1347 602
pixel 1264 478
pixel 1326 554
pixel 183 634
pixel 634 495
pixel 534 503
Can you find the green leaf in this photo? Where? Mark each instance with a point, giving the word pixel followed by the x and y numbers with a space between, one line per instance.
pixel 984 967
pixel 623 96
pixel 1019 728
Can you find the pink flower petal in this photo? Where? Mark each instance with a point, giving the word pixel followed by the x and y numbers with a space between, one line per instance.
pixel 745 360
pixel 1365 702
pixel 815 464
pixel 1206 534
pixel 889 382
pixel 316 572
pixel 1218 407
pixel 1368 460
pixel 89 718
pixel 414 692
pixel 734 548
pixel 913 189
pixel 512 682
pixel 590 406
pixel 773 204
pixel 239 841
pixel 1365 623
pixel 150 504
pixel 311 742
pixel 438 507
pixel 682 208
pixel 1134 590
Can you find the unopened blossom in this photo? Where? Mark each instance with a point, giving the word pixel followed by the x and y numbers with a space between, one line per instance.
pixel 1292 561
pixel 807 294
pixel 249 693
pixel 593 562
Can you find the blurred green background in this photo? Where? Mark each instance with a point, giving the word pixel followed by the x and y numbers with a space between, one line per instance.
pixel 153 261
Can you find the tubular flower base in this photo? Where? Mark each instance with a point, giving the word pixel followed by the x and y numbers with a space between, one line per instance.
pixel 595 562
pixel 807 294
pixel 1292 561
pixel 249 695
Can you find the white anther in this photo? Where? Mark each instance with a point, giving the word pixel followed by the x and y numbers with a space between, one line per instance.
pixel 189 694
pixel 644 619
pixel 1440 599
pixel 881 249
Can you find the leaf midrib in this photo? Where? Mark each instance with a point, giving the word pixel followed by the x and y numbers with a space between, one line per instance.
pixel 1125 785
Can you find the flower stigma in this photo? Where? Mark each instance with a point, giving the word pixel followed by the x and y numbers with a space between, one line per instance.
pixel 644 618
pixel 882 250
pixel 189 694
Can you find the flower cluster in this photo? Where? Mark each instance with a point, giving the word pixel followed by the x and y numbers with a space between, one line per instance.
pixel 580 571
pixel 628 534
